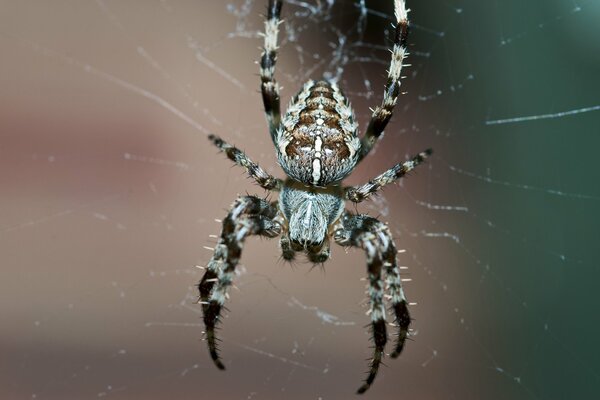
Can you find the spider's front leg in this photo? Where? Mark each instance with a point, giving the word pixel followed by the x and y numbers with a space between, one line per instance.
pixel 249 215
pixel 374 237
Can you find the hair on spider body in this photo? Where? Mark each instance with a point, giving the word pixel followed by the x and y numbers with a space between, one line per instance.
pixel 308 212
pixel 317 142
pixel 317 146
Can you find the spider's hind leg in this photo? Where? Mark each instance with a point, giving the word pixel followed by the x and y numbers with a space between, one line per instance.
pixel 249 215
pixel 383 113
pixel 268 85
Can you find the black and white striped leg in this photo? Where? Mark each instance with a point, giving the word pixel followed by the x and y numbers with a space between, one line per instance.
pixel 360 193
pixel 268 86
pixel 383 113
pixel 395 293
pixel 374 237
pixel 249 215
pixel 264 180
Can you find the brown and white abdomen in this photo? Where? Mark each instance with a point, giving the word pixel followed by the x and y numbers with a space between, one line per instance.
pixel 317 142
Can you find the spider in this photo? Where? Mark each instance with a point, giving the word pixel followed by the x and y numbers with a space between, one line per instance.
pixel 317 146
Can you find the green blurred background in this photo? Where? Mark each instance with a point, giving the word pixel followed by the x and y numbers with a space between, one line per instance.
pixel 110 190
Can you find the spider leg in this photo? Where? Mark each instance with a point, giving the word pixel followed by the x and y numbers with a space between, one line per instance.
pixel 374 237
pixel 396 296
pixel 362 192
pixel 383 113
pixel 268 85
pixel 264 180
pixel 249 215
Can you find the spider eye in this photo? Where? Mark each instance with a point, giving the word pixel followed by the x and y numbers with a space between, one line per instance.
pixel 301 245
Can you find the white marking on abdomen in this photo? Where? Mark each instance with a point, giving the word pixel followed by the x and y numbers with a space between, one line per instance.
pixel 316 172
pixel 318 144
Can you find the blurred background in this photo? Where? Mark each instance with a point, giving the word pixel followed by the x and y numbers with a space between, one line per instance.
pixel 110 191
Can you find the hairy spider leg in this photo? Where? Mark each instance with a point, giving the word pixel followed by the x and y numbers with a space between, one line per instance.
pixel 249 215
pixel 362 192
pixel 262 178
pixel 375 239
pixel 395 293
pixel 383 113
pixel 268 85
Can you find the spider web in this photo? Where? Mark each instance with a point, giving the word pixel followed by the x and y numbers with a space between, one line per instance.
pixel 110 191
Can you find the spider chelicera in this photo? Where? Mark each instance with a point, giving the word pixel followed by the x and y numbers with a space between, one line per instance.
pixel 317 146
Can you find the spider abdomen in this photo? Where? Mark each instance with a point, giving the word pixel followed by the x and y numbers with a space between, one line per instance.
pixel 317 142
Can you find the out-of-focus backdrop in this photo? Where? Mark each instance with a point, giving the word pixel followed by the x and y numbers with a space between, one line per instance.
pixel 110 190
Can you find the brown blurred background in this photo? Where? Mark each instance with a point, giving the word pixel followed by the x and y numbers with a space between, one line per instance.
pixel 109 191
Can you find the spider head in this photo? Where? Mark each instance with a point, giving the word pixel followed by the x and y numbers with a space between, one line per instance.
pixel 317 142
pixel 298 245
pixel 309 212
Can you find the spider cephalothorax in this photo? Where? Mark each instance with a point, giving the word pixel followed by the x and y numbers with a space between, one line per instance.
pixel 317 146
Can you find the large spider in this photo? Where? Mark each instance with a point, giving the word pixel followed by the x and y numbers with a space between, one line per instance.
pixel 317 146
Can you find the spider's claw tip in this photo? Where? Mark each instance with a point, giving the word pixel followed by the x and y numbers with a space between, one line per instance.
pixel 217 360
pixel 220 365
pixel 363 388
